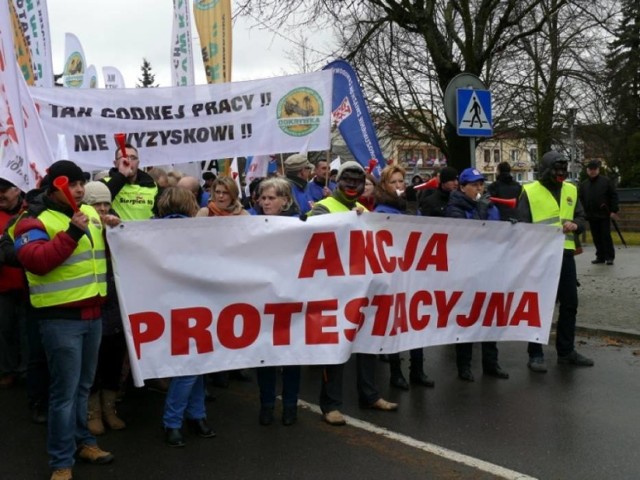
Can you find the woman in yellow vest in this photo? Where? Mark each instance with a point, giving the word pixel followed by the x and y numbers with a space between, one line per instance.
pixel 63 253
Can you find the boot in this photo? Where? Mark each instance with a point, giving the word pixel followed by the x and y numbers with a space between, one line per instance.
pixel 94 415
pixel 396 379
pixel 109 410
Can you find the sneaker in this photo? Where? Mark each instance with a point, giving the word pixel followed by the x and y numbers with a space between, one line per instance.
pixel 334 418
pixel 537 364
pixel 574 358
pixel 597 261
pixel 495 371
pixel 289 415
pixel 609 262
pixel 61 474
pixel 266 416
pixel 464 373
pixel 94 454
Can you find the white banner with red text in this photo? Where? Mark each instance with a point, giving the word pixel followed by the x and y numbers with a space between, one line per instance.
pixel 192 123
pixel 208 294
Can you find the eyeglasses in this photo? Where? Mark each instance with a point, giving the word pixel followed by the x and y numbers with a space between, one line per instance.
pixel 132 158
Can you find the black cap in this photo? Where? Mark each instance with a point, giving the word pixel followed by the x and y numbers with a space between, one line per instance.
pixel 593 164
pixel 65 168
pixel 447 174
pixel 208 176
pixel 4 183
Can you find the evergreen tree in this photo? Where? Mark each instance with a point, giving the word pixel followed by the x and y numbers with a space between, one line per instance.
pixel 623 71
pixel 148 77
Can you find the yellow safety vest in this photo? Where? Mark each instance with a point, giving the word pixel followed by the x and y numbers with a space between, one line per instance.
pixel 83 275
pixel 134 202
pixel 334 206
pixel 545 208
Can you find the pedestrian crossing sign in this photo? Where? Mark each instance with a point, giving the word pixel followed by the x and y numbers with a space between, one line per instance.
pixel 474 113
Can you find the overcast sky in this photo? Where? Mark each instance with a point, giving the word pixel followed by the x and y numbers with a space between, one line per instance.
pixel 120 33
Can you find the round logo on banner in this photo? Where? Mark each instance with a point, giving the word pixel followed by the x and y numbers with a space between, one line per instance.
pixel 299 112
pixel 73 70
pixel 206 4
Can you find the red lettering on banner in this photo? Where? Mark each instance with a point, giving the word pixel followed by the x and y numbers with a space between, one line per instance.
pixel 153 328
pixel 474 314
pixel 361 248
pixel 409 252
pixel 400 315
pixel 435 253
pixel 250 317
pixel 528 310
pixel 327 243
pixel 445 306
pixel 181 332
pixel 419 322
pixel 316 322
pixel 353 314
pixel 282 313
pixel 499 309
pixel 383 312
pixel 384 237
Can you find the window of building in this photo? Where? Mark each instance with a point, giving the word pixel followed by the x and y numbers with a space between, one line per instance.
pixel 487 156
pixel 496 155
pixel 514 156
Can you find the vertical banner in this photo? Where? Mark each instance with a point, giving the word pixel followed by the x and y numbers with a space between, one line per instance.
pixel 33 18
pixel 112 78
pixel 25 150
pixel 181 51
pixel 74 62
pixel 257 167
pixel 213 21
pixel 351 115
pixel 23 53
pixel 90 78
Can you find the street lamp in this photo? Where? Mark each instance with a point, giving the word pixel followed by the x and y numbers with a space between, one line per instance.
pixel 571 120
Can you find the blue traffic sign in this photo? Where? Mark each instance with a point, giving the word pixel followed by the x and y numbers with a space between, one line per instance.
pixel 474 117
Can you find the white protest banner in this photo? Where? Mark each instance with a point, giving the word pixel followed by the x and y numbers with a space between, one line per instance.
pixel 26 153
pixel 181 52
pixel 194 123
pixel 206 294
pixel 34 21
pixel 112 78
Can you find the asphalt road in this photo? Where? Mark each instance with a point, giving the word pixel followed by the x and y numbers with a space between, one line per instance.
pixel 567 424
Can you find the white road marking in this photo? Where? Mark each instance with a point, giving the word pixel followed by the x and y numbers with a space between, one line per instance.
pixel 445 453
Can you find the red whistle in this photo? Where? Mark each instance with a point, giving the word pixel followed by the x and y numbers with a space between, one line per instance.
pixel 62 184
pixel 120 140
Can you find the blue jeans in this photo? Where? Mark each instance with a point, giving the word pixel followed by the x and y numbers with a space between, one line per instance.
pixel 184 398
pixel 290 385
pixel 72 353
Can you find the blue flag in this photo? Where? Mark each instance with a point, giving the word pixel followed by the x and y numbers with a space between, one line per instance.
pixel 351 116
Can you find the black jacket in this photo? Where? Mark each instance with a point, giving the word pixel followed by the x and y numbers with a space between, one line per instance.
pixel 598 197
pixel 505 187
pixel 433 205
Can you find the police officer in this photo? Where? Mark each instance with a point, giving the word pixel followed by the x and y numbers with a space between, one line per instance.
pixel 552 201
pixel 63 253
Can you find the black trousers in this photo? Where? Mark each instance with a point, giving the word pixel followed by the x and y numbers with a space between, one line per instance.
pixel 601 233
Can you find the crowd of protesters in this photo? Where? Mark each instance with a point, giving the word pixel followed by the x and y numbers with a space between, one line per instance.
pixel 61 328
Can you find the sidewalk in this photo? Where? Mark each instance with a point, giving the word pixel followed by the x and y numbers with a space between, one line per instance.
pixel 609 296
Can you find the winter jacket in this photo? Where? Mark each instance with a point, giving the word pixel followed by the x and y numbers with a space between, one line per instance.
pixel 461 206
pixel 598 197
pixel 505 187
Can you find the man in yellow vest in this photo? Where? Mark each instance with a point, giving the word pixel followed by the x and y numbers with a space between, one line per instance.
pixel 350 185
pixel 552 201
pixel 133 191
pixel 62 250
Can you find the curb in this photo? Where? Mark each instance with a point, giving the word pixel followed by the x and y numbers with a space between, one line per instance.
pixel 598 331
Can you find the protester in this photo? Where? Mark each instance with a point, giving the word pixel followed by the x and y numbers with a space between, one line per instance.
pixel 552 201
pixel 13 349
pixel 113 347
pixel 297 169
pixel 63 253
pixel 186 395
pixel 433 205
pixel 193 185
pixel 133 191
pixel 208 178
pixel 600 200
pixel 368 199
pixel 350 185
pixel 320 186
pixel 225 199
pixel 276 198
pixel 468 203
pixel 507 188
pixel 253 199
pixel 159 176
pixel 390 198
